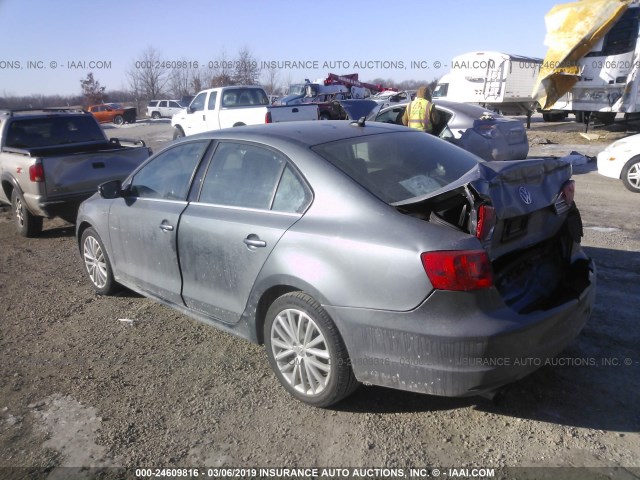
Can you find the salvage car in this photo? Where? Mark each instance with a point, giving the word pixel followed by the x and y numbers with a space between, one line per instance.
pixel 621 160
pixel 354 251
pixel 113 112
pixel 485 133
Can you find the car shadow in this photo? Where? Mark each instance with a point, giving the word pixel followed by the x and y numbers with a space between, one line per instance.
pixel 594 383
pixel 58 232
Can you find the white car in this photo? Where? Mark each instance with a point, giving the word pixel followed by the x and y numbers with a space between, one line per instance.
pixel 163 108
pixel 621 160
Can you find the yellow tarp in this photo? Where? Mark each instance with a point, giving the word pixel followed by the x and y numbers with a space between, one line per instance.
pixel 572 31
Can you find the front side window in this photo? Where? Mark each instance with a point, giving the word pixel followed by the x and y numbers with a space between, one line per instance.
pixel 198 102
pixel 167 176
pixel 242 175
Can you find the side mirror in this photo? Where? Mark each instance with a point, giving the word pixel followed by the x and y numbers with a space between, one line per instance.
pixel 111 190
pixel 191 109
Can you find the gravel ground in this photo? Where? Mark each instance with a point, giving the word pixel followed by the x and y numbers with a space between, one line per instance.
pixel 123 381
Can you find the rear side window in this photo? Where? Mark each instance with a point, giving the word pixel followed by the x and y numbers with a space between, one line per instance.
pixel 212 101
pixel 398 166
pixel 153 103
pixel 251 176
pixel 292 195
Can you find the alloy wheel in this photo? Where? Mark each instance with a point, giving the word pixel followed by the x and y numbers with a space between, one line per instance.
pixel 301 352
pixel 95 262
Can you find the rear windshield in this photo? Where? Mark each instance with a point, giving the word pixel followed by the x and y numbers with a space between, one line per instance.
pixel 52 131
pixel 400 165
pixel 244 97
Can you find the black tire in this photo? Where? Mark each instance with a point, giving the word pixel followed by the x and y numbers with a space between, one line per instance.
pixel 27 224
pixel 178 133
pixel 579 117
pixel 155 115
pixel 317 372
pixel 631 175
pixel 96 263
pixel 118 120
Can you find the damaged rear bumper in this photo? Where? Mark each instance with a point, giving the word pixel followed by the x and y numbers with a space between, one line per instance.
pixel 458 344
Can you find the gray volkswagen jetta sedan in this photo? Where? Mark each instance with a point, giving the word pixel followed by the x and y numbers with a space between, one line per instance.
pixel 355 252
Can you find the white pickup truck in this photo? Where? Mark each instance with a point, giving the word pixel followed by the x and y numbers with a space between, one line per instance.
pixel 225 107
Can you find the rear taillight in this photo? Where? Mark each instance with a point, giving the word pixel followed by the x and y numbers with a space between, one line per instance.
pixel 460 270
pixel 565 197
pixel 486 222
pixel 569 191
pixel 36 173
pixel 267 118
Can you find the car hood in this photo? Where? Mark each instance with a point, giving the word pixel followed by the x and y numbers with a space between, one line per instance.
pixel 514 188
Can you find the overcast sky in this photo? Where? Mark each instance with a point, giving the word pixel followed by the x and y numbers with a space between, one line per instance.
pixel 48 46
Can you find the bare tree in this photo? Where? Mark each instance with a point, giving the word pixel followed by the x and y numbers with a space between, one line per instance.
pixel 271 81
pixel 92 90
pixel 147 78
pixel 288 80
pixel 221 73
pixel 184 80
pixel 247 69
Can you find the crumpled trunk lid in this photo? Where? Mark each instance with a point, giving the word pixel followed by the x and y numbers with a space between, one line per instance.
pixel 533 242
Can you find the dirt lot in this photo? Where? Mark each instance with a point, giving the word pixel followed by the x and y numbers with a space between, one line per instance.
pixel 123 381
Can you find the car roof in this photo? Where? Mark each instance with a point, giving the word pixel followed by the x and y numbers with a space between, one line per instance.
pixel 43 112
pixel 470 110
pixel 305 133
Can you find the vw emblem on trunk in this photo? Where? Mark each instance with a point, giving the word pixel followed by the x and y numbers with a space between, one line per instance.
pixel 525 195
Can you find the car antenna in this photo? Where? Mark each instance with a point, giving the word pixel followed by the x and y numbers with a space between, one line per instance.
pixel 359 122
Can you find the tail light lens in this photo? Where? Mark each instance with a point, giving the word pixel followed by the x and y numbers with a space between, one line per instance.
pixel 486 222
pixel 565 197
pixel 268 118
pixel 569 191
pixel 36 173
pixel 460 270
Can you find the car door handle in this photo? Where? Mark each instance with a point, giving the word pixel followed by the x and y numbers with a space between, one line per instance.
pixel 166 228
pixel 254 241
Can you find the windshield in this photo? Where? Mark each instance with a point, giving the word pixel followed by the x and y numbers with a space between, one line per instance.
pixel 440 90
pixel 297 89
pixel 398 166
pixel 52 131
